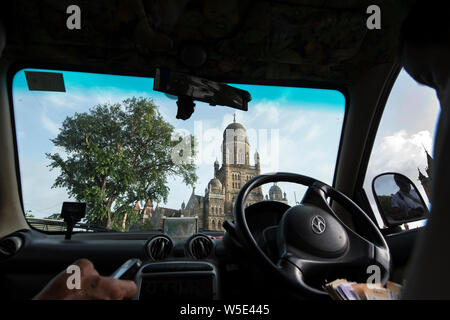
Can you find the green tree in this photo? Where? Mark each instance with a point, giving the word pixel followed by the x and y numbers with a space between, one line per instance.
pixel 28 214
pixel 117 155
pixel 54 216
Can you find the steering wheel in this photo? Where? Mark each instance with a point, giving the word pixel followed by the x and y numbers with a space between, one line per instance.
pixel 311 239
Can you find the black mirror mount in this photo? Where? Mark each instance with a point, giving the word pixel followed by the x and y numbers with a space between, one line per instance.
pixel 398 199
pixel 190 88
pixel 72 212
pixel 185 106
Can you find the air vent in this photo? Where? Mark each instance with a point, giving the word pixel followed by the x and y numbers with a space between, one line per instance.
pixel 159 247
pixel 10 246
pixel 200 246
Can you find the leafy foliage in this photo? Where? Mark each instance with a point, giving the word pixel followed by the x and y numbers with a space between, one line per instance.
pixel 54 216
pixel 28 214
pixel 117 155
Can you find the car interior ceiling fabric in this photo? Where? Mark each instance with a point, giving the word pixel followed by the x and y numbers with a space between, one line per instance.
pixel 2 38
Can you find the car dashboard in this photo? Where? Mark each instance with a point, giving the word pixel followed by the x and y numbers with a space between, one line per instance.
pixel 202 266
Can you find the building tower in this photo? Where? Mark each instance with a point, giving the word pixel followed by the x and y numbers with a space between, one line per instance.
pixel 217 204
pixel 425 180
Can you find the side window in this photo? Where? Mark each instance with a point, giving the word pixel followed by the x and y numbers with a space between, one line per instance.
pixel 404 141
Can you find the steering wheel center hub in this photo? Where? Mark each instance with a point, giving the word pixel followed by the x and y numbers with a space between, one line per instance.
pixel 312 230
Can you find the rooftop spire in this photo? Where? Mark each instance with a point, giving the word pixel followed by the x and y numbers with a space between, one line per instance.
pixel 426 151
pixel 234 117
pixel 421 175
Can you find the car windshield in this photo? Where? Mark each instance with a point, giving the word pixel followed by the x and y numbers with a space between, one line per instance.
pixel 113 142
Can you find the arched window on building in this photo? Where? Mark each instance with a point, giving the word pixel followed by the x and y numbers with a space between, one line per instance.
pixel 219 225
pixel 212 224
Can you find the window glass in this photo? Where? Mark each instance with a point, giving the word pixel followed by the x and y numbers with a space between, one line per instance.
pixel 89 143
pixel 404 141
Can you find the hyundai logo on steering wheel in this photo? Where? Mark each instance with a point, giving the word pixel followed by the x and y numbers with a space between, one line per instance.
pixel 318 224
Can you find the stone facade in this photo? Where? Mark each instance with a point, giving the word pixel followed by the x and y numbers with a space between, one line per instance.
pixel 216 205
pixel 154 215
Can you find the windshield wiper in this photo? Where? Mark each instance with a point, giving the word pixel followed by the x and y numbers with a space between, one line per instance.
pixel 93 227
pixel 44 224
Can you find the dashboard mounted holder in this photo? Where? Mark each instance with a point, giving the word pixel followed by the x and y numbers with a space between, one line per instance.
pixel 72 212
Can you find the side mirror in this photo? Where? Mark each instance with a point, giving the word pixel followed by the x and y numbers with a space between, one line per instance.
pixel 398 199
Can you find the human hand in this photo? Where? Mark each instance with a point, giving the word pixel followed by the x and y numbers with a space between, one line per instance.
pixel 92 286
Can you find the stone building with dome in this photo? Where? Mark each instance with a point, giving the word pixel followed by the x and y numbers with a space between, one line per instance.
pixel 276 194
pixel 216 205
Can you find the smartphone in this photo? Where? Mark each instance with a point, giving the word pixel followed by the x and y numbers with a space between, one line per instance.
pixel 128 270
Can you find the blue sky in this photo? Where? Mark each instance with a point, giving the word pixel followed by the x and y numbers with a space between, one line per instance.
pixel 293 129
pixel 76 81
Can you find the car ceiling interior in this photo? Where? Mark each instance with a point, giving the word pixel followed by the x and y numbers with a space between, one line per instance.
pixel 297 42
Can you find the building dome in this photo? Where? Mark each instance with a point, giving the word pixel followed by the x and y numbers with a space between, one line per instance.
pixel 235 146
pixel 275 193
pixel 215 184
pixel 238 130
pixel 235 125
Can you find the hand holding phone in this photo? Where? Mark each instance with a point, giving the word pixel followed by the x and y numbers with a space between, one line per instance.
pixel 128 270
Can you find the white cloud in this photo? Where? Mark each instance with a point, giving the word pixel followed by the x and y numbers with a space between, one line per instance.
pixel 313 133
pixel 48 124
pixel 268 111
pixel 401 152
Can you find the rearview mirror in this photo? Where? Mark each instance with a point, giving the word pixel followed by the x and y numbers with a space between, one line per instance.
pixel 398 199
pixel 189 88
